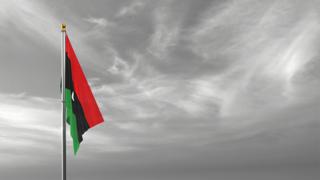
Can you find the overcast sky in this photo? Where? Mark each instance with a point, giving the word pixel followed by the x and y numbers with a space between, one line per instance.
pixel 189 89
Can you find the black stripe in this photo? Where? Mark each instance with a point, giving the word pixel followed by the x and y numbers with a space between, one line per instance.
pixel 68 75
pixel 82 124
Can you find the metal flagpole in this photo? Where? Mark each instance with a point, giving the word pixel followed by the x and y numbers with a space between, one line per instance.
pixel 63 123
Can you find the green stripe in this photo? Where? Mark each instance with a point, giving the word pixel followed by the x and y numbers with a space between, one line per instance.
pixel 71 119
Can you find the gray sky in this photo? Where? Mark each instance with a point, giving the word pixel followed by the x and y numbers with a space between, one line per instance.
pixel 188 89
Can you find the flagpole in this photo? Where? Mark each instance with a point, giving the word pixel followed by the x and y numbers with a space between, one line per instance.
pixel 63 123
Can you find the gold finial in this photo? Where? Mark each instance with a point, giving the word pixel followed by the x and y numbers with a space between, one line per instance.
pixel 63 27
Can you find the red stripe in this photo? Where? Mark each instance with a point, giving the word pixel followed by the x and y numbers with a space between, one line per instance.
pixel 82 89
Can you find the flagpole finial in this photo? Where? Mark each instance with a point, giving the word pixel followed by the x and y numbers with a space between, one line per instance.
pixel 63 27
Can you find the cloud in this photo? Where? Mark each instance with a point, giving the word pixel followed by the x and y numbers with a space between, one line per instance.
pixel 165 34
pixel 130 9
pixel 183 86
pixel 100 22
pixel 119 66
pixel 32 129
pixel 33 18
pixel 262 64
pixel 30 125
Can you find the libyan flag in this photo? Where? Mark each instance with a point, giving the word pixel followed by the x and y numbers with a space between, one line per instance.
pixel 82 111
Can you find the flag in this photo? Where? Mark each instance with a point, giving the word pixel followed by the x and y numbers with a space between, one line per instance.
pixel 82 111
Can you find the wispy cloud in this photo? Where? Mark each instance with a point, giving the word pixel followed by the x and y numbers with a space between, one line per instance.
pixel 262 64
pixel 231 84
pixel 165 34
pixel 28 122
pixel 34 19
pixel 100 22
pixel 32 126
pixel 130 9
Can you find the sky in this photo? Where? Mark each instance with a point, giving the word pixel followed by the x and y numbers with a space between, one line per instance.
pixel 189 90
